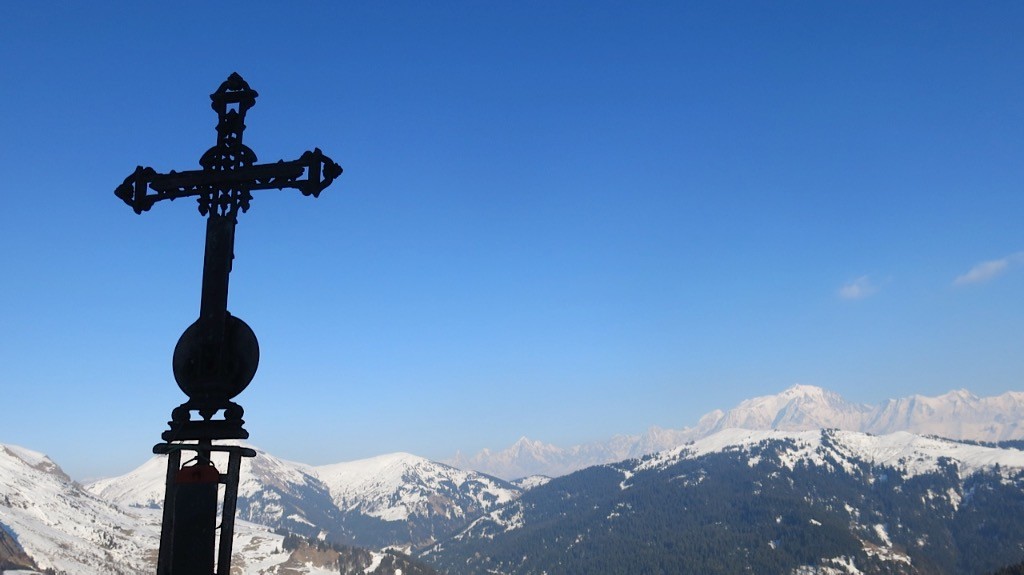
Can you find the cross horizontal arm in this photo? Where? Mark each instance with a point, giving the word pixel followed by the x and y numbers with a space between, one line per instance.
pixel 310 174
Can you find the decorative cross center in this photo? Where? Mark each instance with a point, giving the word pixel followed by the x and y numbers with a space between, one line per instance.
pixel 217 356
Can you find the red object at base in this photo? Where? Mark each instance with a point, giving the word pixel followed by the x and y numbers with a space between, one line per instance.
pixel 197 474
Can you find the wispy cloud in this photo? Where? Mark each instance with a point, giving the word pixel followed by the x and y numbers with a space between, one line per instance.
pixel 986 271
pixel 859 288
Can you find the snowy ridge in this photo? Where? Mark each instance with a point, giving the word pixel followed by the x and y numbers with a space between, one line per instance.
pixel 395 486
pixel 397 499
pixel 957 415
pixel 144 485
pixel 140 487
pixel 272 492
pixel 33 459
pixel 528 457
pixel 391 487
pixel 801 407
pixel 911 454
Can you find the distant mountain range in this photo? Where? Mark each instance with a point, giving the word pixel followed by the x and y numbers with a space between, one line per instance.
pixel 955 415
pixel 791 494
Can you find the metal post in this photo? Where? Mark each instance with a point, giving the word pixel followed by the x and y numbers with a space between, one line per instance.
pixel 163 564
pixel 227 521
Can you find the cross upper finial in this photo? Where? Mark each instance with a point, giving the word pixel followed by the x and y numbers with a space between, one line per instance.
pixel 234 90
pixel 231 101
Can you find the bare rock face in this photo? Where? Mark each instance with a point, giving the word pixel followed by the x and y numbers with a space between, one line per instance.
pixel 12 556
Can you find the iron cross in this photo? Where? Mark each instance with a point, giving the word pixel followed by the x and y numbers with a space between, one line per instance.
pixel 217 356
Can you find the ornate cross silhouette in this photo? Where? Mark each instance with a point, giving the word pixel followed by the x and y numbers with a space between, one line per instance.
pixel 217 356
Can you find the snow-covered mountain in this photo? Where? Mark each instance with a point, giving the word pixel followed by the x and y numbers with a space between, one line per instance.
pixel 397 486
pixel 58 525
pixel 955 415
pixel 909 454
pixel 859 501
pixel 527 457
pixel 397 499
pixel 273 492
pixel 61 526
pixel 409 500
pixel 531 481
pixel 49 522
pixel 765 501
pixel 801 407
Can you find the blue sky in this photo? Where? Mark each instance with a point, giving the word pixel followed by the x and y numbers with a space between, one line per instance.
pixel 563 220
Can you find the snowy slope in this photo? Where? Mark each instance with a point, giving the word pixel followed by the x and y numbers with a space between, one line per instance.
pixel 63 527
pixel 141 487
pixel 528 483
